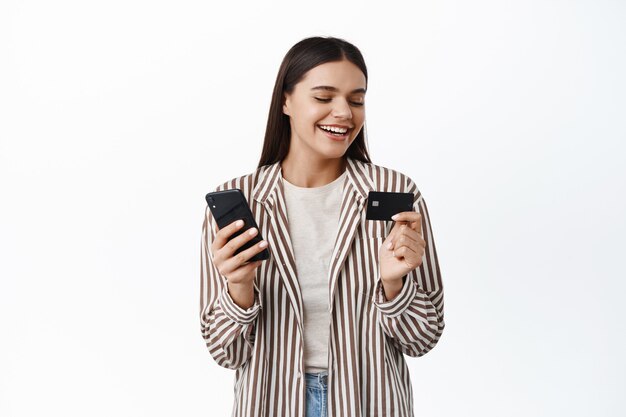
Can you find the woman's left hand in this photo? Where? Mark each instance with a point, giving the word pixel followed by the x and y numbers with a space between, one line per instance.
pixel 407 247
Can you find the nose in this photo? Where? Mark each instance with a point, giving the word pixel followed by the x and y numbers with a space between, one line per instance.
pixel 342 110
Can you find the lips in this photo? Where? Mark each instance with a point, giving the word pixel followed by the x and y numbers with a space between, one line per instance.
pixel 334 125
pixel 335 136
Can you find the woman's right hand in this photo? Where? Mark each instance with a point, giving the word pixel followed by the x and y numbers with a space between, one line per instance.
pixel 236 268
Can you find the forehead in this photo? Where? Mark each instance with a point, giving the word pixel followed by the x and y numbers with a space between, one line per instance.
pixel 343 75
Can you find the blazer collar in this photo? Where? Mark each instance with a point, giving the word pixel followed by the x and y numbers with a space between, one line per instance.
pixel 270 175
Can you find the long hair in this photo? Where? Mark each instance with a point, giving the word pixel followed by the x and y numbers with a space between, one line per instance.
pixel 303 56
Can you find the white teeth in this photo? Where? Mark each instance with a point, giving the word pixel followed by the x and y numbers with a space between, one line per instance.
pixel 334 129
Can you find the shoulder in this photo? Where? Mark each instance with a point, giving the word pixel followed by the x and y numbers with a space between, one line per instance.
pixel 390 180
pixel 245 183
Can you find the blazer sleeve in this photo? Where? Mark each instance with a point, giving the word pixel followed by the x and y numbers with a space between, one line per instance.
pixel 228 330
pixel 413 320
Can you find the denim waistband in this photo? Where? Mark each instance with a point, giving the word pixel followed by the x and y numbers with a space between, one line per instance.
pixel 317 380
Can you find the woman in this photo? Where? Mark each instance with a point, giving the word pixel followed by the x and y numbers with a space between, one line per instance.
pixel 321 328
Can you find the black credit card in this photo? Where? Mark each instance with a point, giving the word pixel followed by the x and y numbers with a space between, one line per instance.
pixel 382 205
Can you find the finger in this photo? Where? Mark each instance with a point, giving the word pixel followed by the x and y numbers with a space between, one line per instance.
pixel 412 218
pixel 405 216
pixel 417 246
pixel 254 249
pixel 242 258
pixel 222 235
pixel 415 235
pixel 395 230
pixel 400 231
pixel 403 251
pixel 250 266
pixel 235 243
pixel 408 236
pixel 241 272
pixel 408 254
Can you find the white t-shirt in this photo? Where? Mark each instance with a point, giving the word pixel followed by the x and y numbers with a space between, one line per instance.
pixel 313 215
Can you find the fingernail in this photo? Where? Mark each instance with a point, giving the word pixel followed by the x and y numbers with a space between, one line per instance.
pixel 252 231
pixel 239 223
pixel 263 244
pixel 389 245
pixel 394 217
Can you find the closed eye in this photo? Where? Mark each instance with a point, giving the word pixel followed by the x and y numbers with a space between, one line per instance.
pixel 326 100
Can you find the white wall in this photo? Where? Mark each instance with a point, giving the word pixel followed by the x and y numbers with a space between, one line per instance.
pixel 117 117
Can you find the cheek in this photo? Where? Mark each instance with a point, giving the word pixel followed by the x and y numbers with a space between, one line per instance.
pixel 315 114
pixel 359 116
pixel 308 117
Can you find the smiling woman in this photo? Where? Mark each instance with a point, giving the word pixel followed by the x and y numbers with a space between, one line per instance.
pixel 323 326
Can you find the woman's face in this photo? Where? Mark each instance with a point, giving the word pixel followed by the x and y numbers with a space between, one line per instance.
pixel 331 95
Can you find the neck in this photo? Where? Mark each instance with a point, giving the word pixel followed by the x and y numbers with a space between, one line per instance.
pixel 308 172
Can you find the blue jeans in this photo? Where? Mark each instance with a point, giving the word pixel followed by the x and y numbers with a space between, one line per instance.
pixel 316 394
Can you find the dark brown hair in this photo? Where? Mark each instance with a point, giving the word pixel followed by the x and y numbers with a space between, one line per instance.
pixel 303 56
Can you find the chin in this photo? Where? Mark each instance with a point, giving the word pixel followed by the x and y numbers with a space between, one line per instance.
pixel 335 153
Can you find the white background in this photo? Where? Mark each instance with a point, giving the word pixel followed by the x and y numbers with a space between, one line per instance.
pixel 117 117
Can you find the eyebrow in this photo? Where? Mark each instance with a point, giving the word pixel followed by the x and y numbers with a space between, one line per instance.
pixel 333 89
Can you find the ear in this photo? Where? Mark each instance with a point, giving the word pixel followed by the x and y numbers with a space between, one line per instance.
pixel 286 103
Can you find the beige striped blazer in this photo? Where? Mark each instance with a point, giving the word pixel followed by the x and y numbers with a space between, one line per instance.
pixel 369 335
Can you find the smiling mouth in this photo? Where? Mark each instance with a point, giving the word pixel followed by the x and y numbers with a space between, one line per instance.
pixel 334 134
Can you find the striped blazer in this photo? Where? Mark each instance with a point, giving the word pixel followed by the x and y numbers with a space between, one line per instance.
pixel 369 335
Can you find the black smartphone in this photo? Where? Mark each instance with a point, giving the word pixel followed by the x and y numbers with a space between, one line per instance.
pixel 230 205
pixel 381 205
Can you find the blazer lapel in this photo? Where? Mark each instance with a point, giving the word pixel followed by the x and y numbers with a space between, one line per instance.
pixel 354 196
pixel 269 192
